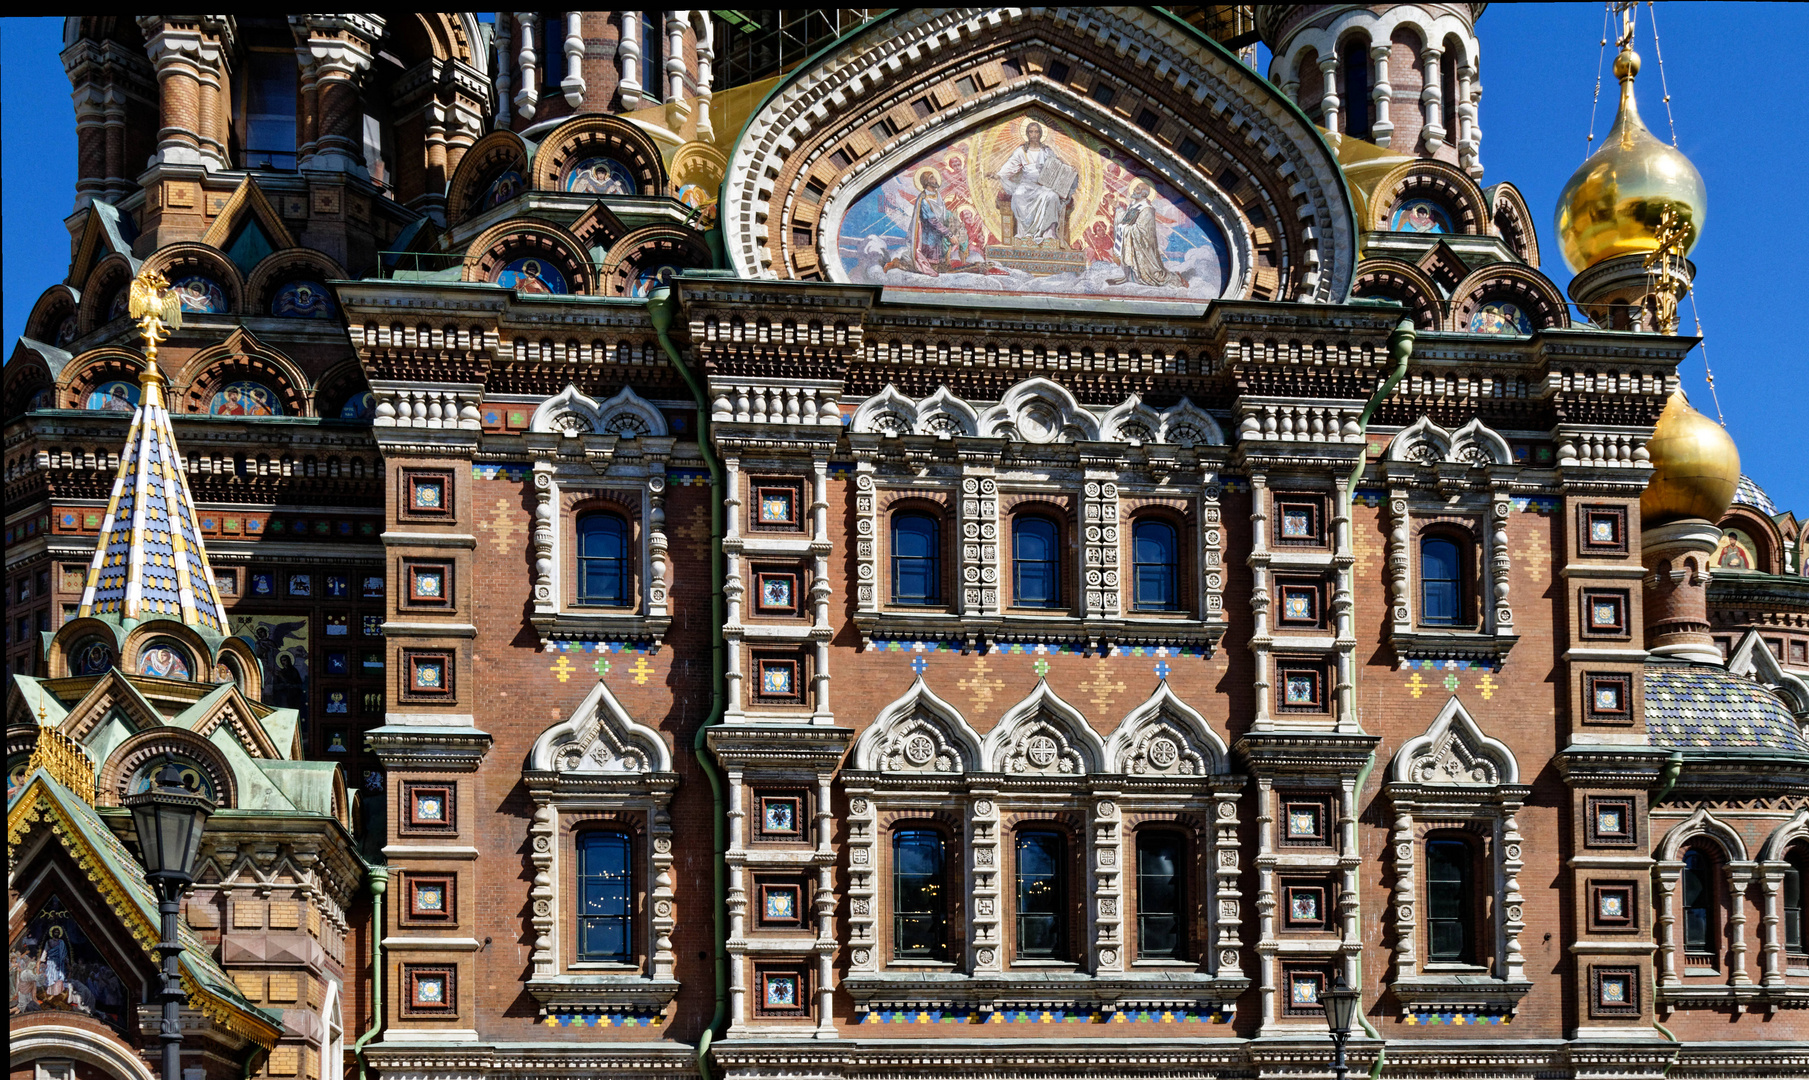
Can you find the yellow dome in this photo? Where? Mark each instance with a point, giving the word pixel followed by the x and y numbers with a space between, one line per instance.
pixel 1696 467
pixel 1612 204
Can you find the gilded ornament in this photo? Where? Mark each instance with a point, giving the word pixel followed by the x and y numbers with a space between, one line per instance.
pixel 1695 467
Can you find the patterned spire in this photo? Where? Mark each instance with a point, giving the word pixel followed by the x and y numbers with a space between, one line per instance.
pixel 150 561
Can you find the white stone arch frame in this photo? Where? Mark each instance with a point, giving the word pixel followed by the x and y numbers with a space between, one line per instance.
pixel 919 733
pixel 1039 411
pixel 1752 659
pixel 1773 865
pixel 81 1044
pixel 1425 442
pixel 1738 871
pixel 626 415
pixel 601 761
pixel 1044 735
pixel 600 737
pixel 1433 33
pixel 890 412
pixel 1098 121
pixel 1455 772
pixel 1194 749
pixel 332 1016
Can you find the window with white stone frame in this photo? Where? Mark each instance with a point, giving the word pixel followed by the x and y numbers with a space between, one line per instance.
pixel 920 768
pixel 1448 562
pixel 601 567
pixel 600 774
pixel 1456 855
pixel 1704 874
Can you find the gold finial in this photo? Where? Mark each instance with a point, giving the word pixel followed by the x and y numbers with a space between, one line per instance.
pixel 1664 270
pixel 158 311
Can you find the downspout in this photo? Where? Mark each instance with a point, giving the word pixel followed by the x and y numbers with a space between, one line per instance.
pixel 1400 351
pixel 660 308
pixel 378 877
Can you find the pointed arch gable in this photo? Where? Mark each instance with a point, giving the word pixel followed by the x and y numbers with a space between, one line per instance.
pixel 627 414
pixel 919 733
pixel 1044 735
pixel 600 737
pixel 1777 845
pixel 247 202
pixel 1422 441
pixel 1039 411
pixel 111 691
pixel 1165 736
pixel 1702 823
pixel 890 86
pixel 241 356
pixel 888 412
pixel 1454 752
pixel 1754 660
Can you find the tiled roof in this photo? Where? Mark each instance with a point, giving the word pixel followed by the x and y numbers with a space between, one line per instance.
pixel 149 560
pixel 1701 707
pixel 1751 494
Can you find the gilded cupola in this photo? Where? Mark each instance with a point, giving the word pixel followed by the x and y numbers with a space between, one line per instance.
pixel 1695 467
pixel 1613 203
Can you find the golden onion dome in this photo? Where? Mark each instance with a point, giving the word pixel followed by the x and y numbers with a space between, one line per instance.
pixel 1613 203
pixel 1695 467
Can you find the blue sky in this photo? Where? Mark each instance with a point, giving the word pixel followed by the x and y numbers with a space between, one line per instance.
pixel 1739 117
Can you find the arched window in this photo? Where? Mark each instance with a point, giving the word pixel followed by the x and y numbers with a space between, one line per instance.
pixel 1441 582
pixel 1449 902
pixel 1698 888
pixel 1041 901
pixel 1353 67
pixel 1161 892
pixel 603 898
pixel 916 559
pixel 603 577
pixel 1154 548
pixel 1793 905
pixel 1035 562
pixel 919 895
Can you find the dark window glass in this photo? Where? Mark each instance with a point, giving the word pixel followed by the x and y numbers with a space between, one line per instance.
pixel 1354 67
pixel 1153 548
pixel 1440 588
pixel 1035 563
pixel 603 577
pixel 1448 899
pixel 1160 857
pixel 1793 909
pixel 1698 900
pixel 268 128
pixel 916 559
pixel 552 52
pixel 603 900
pixel 653 55
pixel 1042 925
pixel 919 895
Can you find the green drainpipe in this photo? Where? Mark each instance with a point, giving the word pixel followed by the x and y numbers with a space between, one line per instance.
pixel 1400 351
pixel 660 309
pixel 378 877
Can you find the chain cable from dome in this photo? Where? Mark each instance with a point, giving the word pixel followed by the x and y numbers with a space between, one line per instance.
pixel 1600 60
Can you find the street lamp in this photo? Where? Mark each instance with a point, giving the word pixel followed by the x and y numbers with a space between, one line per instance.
pixel 1340 1006
pixel 169 818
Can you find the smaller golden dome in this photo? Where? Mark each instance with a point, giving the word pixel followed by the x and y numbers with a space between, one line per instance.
pixel 1613 203
pixel 1696 467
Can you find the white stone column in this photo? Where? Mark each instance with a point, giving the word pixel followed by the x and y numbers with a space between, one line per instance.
pixel 505 34
pixel 1223 879
pixel 736 946
pixel 1513 920
pixel 527 99
pixel 573 83
pixel 1739 876
pixel 1499 611
pixel 628 50
pixel 1263 681
pixel 986 944
pixel 1106 912
pixel 1381 95
pixel 1328 101
pixel 1432 98
pixel 821 546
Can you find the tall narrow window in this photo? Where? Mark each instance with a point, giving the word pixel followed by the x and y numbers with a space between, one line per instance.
pixel 919 895
pixel 1441 584
pixel 1035 562
pixel 1042 922
pixel 603 898
pixel 1160 893
pixel 267 118
pixel 1353 65
pixel 916 559
pixel 1793 908
pixel 653 53
pixel 603 578
pixel 1698 887
pixel 1448 901
pixel 1153 549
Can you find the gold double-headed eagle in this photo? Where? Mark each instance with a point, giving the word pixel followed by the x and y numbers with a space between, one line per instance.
pixel 157 308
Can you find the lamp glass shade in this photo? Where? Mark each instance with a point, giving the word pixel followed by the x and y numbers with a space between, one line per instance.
pixel 169 819
pixel 1340 1005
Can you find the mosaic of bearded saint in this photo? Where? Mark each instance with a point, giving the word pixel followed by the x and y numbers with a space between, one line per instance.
pixel 1029 204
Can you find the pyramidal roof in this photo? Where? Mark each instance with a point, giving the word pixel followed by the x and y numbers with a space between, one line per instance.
pixel 150 561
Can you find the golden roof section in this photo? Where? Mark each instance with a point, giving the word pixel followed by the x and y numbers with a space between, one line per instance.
pixel 1696 467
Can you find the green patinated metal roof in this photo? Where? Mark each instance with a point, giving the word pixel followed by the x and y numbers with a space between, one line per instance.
pixel 1703 707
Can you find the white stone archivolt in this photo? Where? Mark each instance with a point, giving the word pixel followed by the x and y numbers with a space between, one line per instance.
pixel 1044 735
pixel 1039 411
pixel 600 737
pixel 1428 444
pixel 918 733
pixel 1454 751
pixel 1164 736
pixel 571 411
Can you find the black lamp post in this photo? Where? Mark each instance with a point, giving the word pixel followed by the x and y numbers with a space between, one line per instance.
pixel 169 818
pixel 1340 1006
